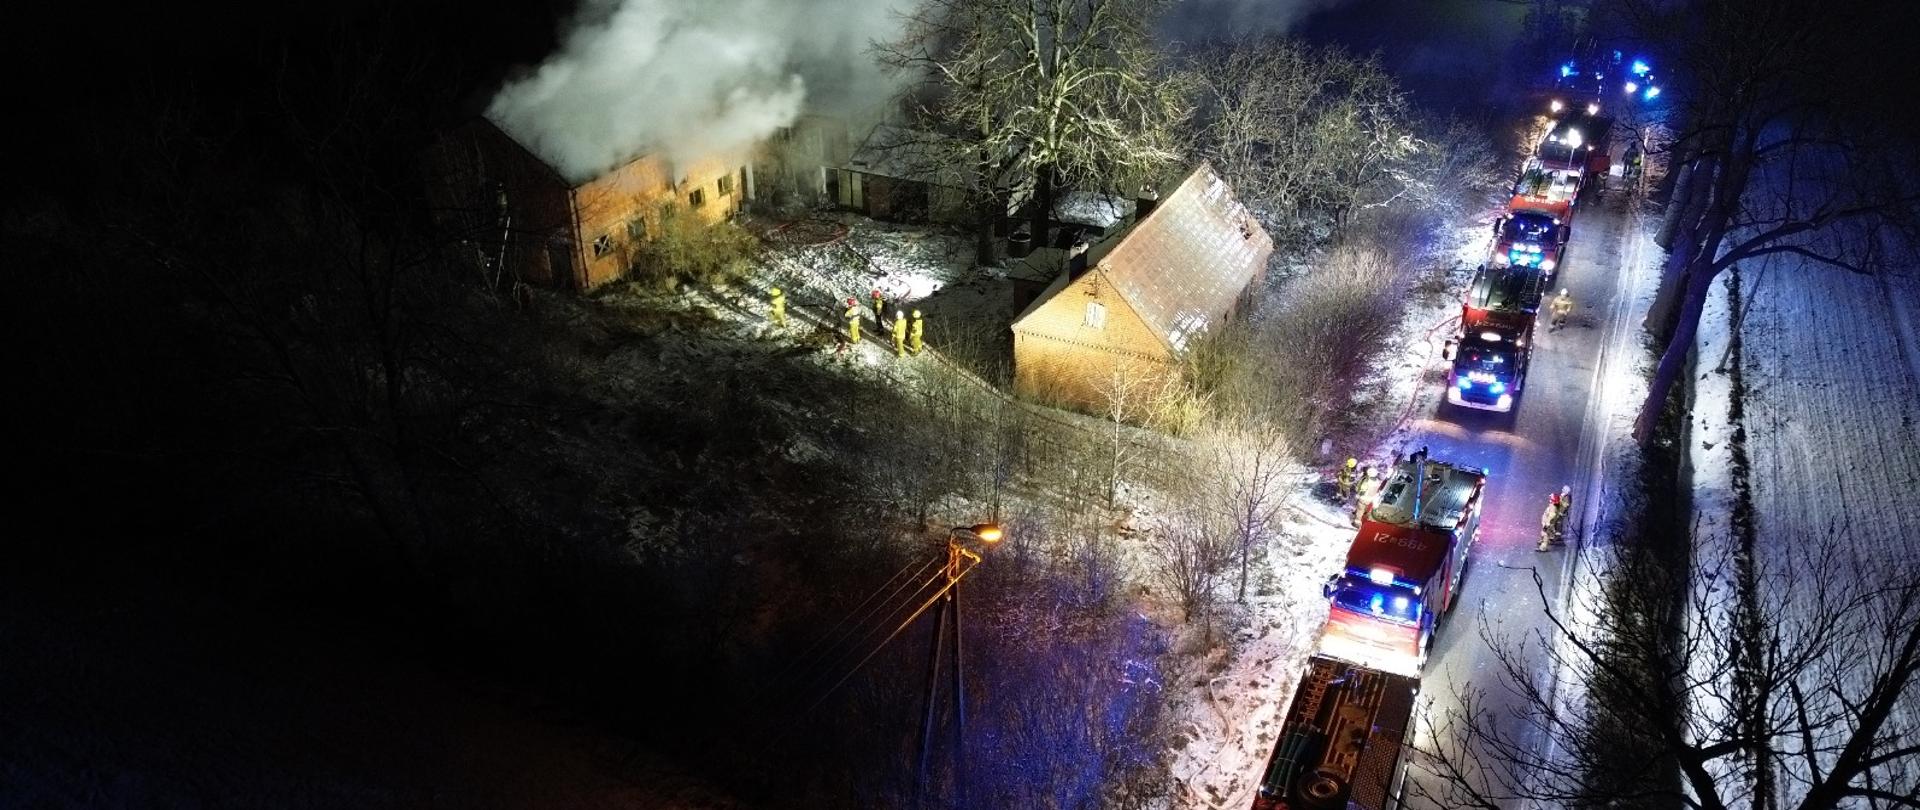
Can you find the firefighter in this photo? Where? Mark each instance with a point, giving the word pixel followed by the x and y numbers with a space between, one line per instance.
pixel 1553 521
pixel 853 321
pixel 899 334
pixel 879 309
pixel 1562 306
pixel 1368 493
pixel 918 331
pixel 1343 479
pixel 776 307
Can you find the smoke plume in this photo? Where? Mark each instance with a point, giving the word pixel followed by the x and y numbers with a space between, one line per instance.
pixel 692 78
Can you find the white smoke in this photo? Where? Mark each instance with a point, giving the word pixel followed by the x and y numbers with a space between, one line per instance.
pixel 690 79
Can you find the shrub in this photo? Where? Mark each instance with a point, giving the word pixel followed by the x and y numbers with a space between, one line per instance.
pixel 689 251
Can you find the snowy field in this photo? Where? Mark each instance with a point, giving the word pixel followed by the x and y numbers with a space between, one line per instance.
pixel 1831 370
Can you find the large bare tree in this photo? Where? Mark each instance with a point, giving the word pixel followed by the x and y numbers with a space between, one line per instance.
pixel 1066 92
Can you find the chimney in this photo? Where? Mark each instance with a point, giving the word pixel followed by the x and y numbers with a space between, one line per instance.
pixel 1077 258
pixel 1074 261
pixel 1144 202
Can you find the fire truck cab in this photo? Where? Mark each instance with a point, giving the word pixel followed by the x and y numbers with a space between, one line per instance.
pixel 1405 566
pixel 1489 367
pixel 1531 238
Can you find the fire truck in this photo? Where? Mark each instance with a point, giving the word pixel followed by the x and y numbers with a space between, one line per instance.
pixel 1405 565
pixel 1344 731
pixel 1550 189
pixel 1528 238
pixel 1506 295
pixel 1489 366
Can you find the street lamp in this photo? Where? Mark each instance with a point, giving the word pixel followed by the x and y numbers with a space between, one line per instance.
pixel 959 552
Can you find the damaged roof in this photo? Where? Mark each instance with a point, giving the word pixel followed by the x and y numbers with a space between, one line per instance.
pixel 1184 265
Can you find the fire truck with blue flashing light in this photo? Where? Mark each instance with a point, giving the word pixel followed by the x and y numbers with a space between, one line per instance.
pixel 1504 296
pixel 1530 239
pixel 1489 366
pixel 1340 746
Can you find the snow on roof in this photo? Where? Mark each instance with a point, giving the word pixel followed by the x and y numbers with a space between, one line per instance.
pixel 907 154
pixel 1184 265
pixel 1442 498
pixel 1092 208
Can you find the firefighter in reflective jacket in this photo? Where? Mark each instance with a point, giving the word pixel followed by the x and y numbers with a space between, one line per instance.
pixel 1343 479
pixel 879 309
pixel 1368 493
pixel 1561 307
pixel 777 307
pixel 899 334
pixel 917 332
pixel 853 321
pixel 1553 521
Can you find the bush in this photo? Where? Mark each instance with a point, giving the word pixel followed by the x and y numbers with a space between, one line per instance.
pixel 689 251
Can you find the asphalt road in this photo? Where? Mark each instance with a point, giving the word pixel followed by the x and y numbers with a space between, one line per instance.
pixel 1549 440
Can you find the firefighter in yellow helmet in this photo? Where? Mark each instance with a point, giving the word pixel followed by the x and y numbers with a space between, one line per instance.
pixel 1367 492
pixel 777 307
pixel 1561 307
pixel 1343 479
pixel 916 333
pixel 899 334
pixel 853 321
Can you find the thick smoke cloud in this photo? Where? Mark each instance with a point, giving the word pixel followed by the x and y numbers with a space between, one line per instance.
pixel 692 78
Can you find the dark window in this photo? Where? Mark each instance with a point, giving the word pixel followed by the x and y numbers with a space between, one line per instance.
pixel 726 184
pixel 602 245
pixel 637 229
pixel 697 197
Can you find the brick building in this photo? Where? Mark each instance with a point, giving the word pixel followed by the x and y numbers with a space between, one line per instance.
pixel 1128 307
pixel 526 223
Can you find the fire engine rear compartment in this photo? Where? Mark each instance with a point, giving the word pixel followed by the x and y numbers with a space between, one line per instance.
pixel 1340 746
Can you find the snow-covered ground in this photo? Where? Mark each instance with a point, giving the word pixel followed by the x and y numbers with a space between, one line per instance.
pixel 1831 369
pixel 1229 717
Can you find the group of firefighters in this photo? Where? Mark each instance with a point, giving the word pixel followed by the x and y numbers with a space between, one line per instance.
pixel 909 336
pixel 1359 486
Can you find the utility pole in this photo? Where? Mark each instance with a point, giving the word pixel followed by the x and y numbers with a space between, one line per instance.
pixel 960 560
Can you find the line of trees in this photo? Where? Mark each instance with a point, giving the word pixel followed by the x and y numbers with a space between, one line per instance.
pixel 1782 142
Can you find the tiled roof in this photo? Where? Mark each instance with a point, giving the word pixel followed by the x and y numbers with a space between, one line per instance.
pixel 1184 265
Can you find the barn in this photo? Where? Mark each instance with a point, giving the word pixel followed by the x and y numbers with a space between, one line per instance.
pixel 1122 313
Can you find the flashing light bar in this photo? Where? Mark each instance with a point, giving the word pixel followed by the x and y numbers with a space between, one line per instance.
pixel 1641 68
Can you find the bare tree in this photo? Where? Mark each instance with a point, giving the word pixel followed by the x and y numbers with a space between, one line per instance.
pixel 1065 91
pixel 1780 153
pixel 1801 691
pixel 1249 465
pixel 1191 552
pixel 1300 128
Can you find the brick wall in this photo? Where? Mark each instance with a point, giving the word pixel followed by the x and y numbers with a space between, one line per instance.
pixel 1060 358
pixel 622 208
